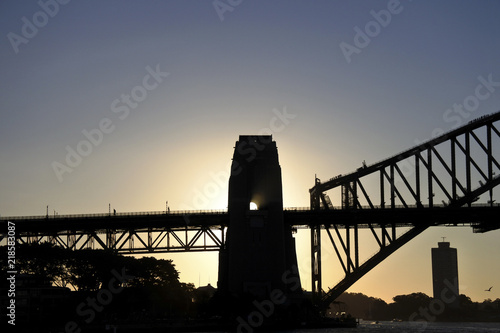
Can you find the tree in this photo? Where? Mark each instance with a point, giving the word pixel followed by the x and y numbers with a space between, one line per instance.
pixel 149 271
pixel 405 305
pixel 45 261
pixel 92 269
pixel 361 306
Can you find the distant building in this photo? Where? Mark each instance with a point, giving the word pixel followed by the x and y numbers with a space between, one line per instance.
pixel 445 274
pixel 204 294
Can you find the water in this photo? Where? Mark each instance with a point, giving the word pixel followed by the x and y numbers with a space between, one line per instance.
pixel 412 327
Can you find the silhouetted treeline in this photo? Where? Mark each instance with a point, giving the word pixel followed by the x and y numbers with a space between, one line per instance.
pixel 416 306
pixel 87 269
pixel 56 286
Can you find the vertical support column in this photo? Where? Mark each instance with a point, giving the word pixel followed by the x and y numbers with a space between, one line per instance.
pixel 111 239
pixel 314 196
pixel 316 246
pixel 52 239
pixel 223 244
pixel 384 232
pixel 467 164
pixel 453 169
pixel 417 180
pixel 429 177
pixel 348 248
pixel 382 200
pixel 356 247
pixel 150 239
pixel 345 197
pixel 316 263
pixel 204 237
pixel 490 159
pixel 393 203
pixel 355 195
pixel 71 239
pixel 131 241
pixel 90 241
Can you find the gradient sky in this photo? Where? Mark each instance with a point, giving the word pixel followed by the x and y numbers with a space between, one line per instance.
pixel 231 73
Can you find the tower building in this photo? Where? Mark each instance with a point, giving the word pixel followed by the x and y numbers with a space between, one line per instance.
pixel 445 274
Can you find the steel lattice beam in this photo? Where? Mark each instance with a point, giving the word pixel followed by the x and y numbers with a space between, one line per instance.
pixel 429 167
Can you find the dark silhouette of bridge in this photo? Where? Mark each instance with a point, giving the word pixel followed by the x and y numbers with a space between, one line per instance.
pixel 437 183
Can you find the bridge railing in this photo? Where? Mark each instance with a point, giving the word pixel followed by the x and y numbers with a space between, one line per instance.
pixel 193 212
pixel 124 214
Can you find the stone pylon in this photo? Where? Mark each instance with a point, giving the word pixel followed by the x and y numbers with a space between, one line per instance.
pixel 260 255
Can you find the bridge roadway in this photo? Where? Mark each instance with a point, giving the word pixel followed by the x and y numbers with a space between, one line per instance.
pixel 481 217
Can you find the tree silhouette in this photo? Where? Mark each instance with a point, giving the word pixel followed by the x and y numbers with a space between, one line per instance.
pixel 405 305
pixel 149 271
pixel 92 269
pixel 45 261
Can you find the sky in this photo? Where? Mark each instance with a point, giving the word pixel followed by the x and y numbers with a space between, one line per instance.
pixel 132 104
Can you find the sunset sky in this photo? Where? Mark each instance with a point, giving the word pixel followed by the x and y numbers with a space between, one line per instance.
pixel 135 103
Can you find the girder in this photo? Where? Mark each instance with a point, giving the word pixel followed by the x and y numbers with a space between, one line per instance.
pixel 126 232
pixel 207 231
pixel 359 271
pixel 412 158
pixel 407 186
pixel 134 241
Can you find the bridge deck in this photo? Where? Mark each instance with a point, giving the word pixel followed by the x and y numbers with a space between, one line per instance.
pixel 476 216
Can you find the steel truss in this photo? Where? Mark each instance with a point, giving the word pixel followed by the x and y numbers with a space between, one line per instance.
pixel 134 241
pixel 409 181
pixel 126 233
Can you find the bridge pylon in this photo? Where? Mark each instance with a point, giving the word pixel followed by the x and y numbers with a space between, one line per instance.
pixel 259 255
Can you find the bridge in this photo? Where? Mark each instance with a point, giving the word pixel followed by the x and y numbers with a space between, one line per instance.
pixel 447 181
